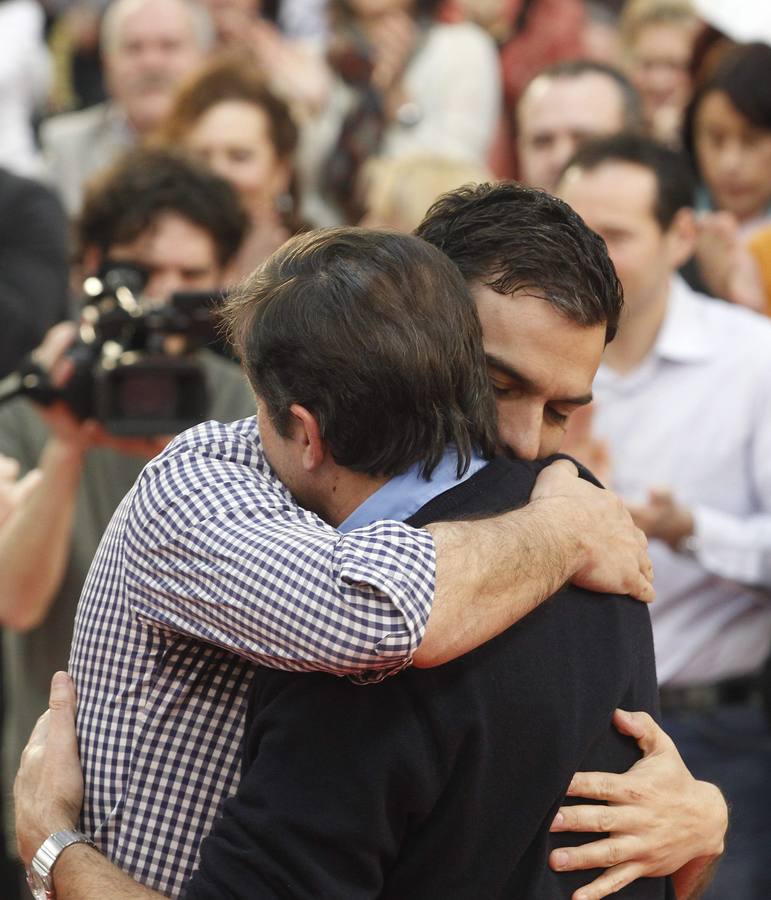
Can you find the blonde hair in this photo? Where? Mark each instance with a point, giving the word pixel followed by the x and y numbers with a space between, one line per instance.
pixel 637 14
pixel 399 191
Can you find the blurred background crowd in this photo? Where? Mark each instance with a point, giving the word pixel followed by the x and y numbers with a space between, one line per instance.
pixel 193 138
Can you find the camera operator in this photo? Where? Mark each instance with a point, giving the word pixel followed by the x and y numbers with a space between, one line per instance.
pixel 182 225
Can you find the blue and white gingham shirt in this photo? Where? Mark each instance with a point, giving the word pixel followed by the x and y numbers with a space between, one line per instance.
pixel 207 567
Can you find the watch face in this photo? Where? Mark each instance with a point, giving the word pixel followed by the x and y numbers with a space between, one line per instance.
pixel 35 884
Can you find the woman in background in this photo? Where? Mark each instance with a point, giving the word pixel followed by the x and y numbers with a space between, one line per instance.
pixel 227 116
pixel 728 134
pixel 400 82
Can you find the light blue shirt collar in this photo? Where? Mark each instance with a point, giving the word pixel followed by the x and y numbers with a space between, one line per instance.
pixel 405 494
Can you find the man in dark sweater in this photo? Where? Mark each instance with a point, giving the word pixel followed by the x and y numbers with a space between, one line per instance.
pixel 439 783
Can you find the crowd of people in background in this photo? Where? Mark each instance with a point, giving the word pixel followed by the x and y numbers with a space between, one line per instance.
pixel 194 137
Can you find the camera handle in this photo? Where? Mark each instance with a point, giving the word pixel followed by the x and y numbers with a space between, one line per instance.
pixel 29 380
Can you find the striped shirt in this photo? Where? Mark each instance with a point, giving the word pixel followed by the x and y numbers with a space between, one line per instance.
pixel 208 567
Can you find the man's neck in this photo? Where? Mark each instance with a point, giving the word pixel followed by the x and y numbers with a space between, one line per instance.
pixel 637 333
pixel 345 492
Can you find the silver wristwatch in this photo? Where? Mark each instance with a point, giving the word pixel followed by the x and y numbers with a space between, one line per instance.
pixel 39 876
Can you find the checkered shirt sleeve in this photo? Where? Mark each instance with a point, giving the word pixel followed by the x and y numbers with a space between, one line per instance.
pixel 217 549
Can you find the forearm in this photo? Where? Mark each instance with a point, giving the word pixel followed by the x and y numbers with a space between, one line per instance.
pixel 82 873
pixel 39 532
pixel 492 573
pixel 734 547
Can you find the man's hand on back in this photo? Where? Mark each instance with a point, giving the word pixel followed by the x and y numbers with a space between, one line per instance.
pixel 659 818
pixel 613 554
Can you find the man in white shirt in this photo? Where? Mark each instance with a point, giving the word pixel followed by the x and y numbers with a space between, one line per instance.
pixel 684 409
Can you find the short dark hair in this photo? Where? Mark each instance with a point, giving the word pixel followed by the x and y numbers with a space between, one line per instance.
pixel 631 101
pixel 377 335
pixel 127 199
pixel 675 182
pixel 514 238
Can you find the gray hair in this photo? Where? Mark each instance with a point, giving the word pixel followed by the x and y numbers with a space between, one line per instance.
pixel 203 28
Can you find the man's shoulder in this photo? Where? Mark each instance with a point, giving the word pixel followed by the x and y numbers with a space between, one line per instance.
pixel 232 398
pixel 76 127
pixel 208 450
pixel 16 188
pixel 236 441
pixel 501 485
pixel 728 324
pixel 211 469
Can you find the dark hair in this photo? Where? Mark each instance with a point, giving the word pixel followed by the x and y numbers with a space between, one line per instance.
pixel 744 74
pixel 675 182
pixel 631 101
pixel 377 335
pixel 129 197
pixel 513 238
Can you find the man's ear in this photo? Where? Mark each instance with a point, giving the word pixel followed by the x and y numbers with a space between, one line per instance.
pixel 681 237
pixel 306 429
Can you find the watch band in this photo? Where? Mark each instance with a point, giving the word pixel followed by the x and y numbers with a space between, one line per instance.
pixel 39 876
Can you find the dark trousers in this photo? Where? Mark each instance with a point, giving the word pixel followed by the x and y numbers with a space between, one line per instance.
pixel 730 745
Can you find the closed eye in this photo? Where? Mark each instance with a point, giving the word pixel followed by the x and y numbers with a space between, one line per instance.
pixel 557 417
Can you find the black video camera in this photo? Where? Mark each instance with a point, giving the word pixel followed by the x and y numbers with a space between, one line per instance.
pixel 135 368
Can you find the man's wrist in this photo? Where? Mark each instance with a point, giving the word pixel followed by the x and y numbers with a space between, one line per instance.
pixel 716 814
pixel 30 842
pixel 65 453
pixel 683 532
pixel 40 872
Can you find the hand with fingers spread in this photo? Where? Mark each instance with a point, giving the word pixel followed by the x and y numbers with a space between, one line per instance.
pixel 659 819
pixel 614 555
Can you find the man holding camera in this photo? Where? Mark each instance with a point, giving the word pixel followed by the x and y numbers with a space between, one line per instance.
pixel 182 225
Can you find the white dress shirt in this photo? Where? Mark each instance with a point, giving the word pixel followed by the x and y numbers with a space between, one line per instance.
pixel 695 416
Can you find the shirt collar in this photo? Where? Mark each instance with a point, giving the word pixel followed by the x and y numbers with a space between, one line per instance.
pixel 683 336
pixel 405 494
